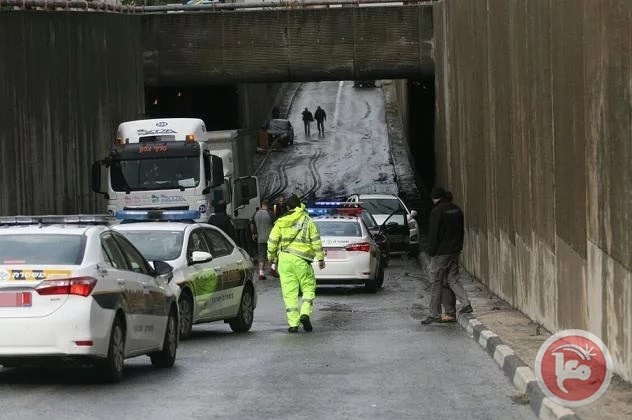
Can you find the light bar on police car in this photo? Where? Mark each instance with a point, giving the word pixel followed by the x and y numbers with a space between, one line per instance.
pixel 329 208
pixel 57 219
pixel 158 215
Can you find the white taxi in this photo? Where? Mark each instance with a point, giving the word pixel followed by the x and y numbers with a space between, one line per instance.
pixel 71 288
pixel 352 256
pixel 215 275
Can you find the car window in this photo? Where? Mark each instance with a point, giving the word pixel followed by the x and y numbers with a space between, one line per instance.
pixel 135 260
pixel 219 245
pixel 112 253
pixel 41 248
pixel 382 205
pixel 197 243
pixel 368 220
pixel 335 228
pixel 156 245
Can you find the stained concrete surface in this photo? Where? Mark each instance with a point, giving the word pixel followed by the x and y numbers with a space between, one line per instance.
pixel 368 357
pixel 533 139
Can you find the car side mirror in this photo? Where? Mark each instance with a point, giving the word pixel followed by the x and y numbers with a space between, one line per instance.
pixel 163 269
pixel 413 213
pixel 200 257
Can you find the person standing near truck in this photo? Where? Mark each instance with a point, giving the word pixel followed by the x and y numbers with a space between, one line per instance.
pixel 260 226
pixel 221 220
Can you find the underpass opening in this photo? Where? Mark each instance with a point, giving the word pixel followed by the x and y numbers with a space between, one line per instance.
pixel 217 106
pixel 421 137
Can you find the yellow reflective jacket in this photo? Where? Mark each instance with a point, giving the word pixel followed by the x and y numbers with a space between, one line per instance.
pixel 295 233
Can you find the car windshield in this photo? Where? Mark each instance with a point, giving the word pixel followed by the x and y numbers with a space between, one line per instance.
pixel 381 205
pixel 338 228
pixel 155 173
pixel 156 245
pixel 40 249
pixel 279 125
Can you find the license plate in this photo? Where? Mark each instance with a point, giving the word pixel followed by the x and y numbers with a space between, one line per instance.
pixel 15 299
pixel 333 253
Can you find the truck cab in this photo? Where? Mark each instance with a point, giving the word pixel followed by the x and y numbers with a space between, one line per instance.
pixel 170 164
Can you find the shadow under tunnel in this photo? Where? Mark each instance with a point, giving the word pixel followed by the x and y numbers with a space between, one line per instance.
pixel 421 140
pixel 217 106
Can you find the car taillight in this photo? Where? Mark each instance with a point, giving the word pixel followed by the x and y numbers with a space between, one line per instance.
pixel 363 246
pixel 80 286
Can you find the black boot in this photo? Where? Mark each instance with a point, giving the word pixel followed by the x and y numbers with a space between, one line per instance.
pixel 430 320
pixel 292 330
pixel 307 325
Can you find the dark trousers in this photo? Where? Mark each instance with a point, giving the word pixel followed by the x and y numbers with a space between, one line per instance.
pixel 444 272
pixel 307 128
pixel 321 126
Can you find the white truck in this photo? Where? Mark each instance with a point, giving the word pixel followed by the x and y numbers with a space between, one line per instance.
pixel 175 164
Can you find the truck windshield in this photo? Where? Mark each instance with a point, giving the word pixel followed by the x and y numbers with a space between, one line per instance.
pixel 155 173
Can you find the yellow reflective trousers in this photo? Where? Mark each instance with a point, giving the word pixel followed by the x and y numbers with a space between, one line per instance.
pixel 295 272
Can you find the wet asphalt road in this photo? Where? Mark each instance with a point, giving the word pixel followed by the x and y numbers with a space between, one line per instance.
pixel 368 357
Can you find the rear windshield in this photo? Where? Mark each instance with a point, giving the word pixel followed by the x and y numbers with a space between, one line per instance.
pixel 382 205
pixel 27 249
pixel 156 245
pixel 334 228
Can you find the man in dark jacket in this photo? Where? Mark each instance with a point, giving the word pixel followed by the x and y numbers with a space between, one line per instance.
pixel 222 220
pixel 445 242
pixel 307 120
pixel 320 117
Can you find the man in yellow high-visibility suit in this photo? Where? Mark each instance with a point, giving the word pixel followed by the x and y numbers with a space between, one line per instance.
pixel 294 243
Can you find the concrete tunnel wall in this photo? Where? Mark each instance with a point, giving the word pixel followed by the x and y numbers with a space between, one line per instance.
pixel 533 138
pixel 67 79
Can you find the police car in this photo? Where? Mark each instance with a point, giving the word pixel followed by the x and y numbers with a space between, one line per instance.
pixel 71 288
pixel 352 255
pixel 215 275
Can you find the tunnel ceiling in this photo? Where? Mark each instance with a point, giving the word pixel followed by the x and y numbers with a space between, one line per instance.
pixel 212 48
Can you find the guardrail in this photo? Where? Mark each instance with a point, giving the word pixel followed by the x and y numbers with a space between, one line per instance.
pixel 82 5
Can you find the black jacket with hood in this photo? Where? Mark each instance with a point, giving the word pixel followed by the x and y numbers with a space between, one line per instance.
pixel 445 229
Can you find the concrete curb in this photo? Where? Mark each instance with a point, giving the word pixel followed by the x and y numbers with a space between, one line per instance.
pixel 516 370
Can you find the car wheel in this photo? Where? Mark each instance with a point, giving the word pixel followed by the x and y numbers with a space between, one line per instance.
pixel 112 367
pixel 371 285
pixel 380 276
pixel 243 321
pixel 166 358
pixel 186 315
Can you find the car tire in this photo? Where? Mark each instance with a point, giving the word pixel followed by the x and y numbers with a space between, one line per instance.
pixel 371 285
pixel 243 321
pixel 186 314
pixel 112 367
pixel 166 357
pixel 380 276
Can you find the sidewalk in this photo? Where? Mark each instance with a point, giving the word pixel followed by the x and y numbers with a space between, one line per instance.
pixel 525 337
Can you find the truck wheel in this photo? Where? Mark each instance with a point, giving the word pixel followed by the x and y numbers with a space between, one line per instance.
pixel 243 321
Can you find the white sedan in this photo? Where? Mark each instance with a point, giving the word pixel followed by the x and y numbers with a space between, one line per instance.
pixel 71 288
pixel 215 275
pixel 351 254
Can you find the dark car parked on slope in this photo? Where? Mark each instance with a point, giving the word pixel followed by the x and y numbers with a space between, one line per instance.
pixel 280 131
